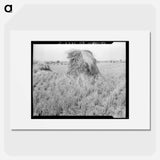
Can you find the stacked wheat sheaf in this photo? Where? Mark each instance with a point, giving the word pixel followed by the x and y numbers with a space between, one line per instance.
pixel 82 62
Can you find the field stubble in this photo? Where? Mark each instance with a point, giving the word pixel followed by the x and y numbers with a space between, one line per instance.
pixel 56 94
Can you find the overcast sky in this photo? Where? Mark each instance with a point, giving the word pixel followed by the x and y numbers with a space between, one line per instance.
pixel 102 52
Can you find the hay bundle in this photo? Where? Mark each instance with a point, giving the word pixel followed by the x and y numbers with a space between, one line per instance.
pixel 82 62
pixel 45 66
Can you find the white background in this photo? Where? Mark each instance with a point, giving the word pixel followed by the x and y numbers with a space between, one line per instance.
pixel 20 80
pixel 101 52
pixel 87 145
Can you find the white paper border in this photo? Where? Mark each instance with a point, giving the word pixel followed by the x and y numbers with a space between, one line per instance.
pixel 139 81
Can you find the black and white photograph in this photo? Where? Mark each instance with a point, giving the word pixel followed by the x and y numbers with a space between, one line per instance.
pixel 80 79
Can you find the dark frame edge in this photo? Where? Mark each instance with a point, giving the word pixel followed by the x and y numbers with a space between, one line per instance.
pixel 81 117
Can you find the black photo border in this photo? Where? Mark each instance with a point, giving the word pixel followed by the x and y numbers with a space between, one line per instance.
pixel 80 42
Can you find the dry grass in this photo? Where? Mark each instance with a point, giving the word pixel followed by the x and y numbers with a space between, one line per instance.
pixel 56 93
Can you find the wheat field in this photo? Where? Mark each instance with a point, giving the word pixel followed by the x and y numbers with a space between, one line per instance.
pixel 57 94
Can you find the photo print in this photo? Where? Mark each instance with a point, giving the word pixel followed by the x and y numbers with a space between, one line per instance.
pixel 80 79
